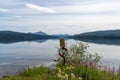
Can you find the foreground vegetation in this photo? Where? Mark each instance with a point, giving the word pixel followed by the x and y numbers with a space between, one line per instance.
pixel 80 65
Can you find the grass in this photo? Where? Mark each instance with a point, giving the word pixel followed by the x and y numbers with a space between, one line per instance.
pixel 36 73
pixel 81 65
pixel 68 72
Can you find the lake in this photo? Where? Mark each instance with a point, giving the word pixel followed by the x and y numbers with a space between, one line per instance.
pixel 18 56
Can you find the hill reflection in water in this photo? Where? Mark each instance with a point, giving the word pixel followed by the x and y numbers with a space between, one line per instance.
pixel 96 41
pixel 16 41
pixel 102 41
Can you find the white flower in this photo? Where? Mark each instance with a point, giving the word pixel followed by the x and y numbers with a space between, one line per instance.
pixel 72 76
pixel 59 71
pixel 59 75
pixel 79 78
pixel 66 76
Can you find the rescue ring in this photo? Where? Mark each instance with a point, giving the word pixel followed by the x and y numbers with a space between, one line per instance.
pixel 63 52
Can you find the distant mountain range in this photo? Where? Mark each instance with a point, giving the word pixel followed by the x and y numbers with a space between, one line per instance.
pixel 107 34
pixel 12 36
pixel 39 33
pixel 62 35
pixel 56 35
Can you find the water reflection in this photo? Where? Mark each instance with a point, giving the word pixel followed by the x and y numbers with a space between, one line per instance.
pixel 41 41
pixel 16 41
pixel 102 41
pixel 18 56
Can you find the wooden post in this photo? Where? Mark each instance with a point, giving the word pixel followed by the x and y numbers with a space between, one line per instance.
pixel 62 45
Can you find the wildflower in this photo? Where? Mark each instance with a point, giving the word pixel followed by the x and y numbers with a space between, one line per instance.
pixel 59 75
pixel 72 67
pixel 79 78
pixel 59 70
pixel 69 67
pixel 63 72
pixel 66 76
pixel 72 76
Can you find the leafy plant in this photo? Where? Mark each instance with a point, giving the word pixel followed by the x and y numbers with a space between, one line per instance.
pixel 78 53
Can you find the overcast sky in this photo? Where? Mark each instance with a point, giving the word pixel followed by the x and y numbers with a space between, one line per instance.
pixel 59 16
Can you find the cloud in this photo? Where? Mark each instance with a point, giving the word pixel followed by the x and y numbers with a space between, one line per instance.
pixel 17 16
pixel 106 7
pixel 4 10
pixel 100 7
pixel 39 8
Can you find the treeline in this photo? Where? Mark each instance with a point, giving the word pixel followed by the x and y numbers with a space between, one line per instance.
pixel 108 34
pixel 9 36
pixel 96 37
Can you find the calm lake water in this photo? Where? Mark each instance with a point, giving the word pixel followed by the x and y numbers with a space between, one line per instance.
pixel 20 55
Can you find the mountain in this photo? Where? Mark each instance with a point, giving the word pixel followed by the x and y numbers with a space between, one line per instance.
pixel 107 34
pixel 40 33
pixel 62 35
pixel 12 36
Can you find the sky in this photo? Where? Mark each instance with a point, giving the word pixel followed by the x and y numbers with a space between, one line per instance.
pixel 59 16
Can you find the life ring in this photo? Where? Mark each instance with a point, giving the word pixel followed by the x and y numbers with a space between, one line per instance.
pixel 63 52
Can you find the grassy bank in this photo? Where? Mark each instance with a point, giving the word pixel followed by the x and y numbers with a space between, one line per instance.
pixel 68 72
pixel 80 65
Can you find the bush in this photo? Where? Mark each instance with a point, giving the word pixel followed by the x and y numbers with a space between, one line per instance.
pixel 78 53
